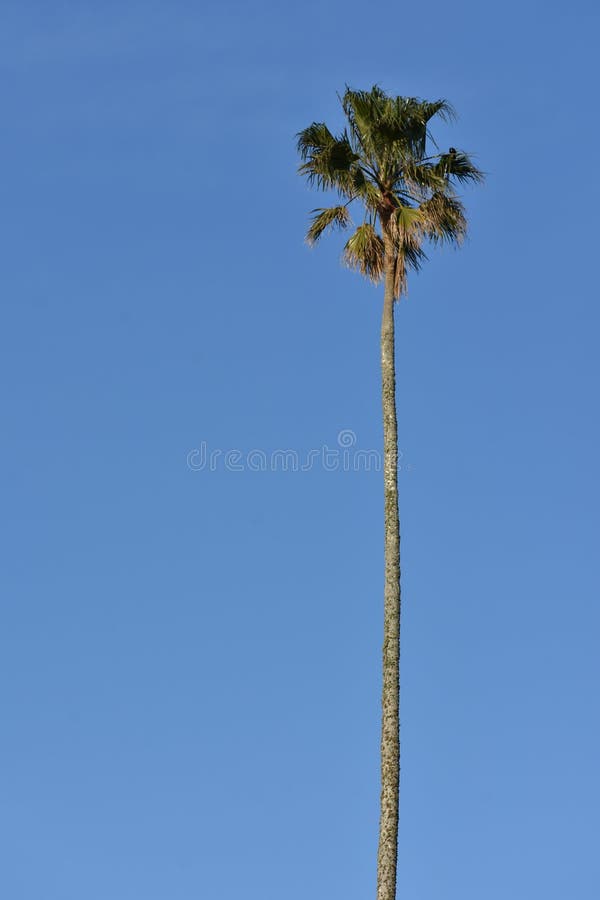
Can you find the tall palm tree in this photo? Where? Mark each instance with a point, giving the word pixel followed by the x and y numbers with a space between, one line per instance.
pixel 408 199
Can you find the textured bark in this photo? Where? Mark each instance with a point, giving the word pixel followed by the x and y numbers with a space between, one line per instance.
pixel 390 725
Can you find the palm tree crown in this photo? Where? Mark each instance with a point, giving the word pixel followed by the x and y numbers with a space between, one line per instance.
pixel 381 161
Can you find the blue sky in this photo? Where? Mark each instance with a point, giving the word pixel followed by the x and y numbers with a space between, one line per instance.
pixel 190 658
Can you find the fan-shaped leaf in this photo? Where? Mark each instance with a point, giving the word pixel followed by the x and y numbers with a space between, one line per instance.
pixel 365 251
pixel 333 217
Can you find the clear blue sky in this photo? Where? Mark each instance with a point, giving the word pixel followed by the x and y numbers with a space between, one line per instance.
pixel 190 659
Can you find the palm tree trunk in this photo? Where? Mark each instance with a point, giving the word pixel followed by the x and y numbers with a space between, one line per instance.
pixel 390 725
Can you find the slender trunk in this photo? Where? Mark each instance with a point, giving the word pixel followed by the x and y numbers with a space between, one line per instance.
pixel 390 726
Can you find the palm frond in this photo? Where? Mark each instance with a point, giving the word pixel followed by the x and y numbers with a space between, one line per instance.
pixel 457 165
pixel 406 219
pixel 421 178
pixel 441 108
pixel 443 219
pixel 414 255
pixel 365 251
pixel 385 126
pixel 407 230
pixel 332 217
pixel 329 165
pixel 410 256
pixel 314 139
pixel 364 188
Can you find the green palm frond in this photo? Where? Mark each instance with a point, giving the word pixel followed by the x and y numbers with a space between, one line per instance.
pixel 444 219
pixel 314 139
pixel 420 178
pixel 331 217
pixel 408 230
pixel 365 251
pixel 388 127
pixel 367 192
pixel 407 219
pixel 381 124
pixel 332 167
pixel 457 165
pixel 441 108
pixel 410 256
pixel 363 109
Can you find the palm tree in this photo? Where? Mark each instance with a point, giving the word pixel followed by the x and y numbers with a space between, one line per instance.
pixel 408 199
